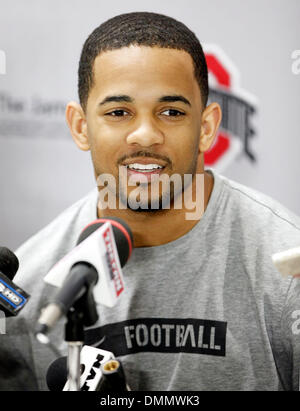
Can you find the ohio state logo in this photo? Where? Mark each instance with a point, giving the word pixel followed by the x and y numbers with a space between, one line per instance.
pixel 235 133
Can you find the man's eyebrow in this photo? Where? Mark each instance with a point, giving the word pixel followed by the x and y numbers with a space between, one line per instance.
pixel 174 98
pixel 127 99
pixel 116 99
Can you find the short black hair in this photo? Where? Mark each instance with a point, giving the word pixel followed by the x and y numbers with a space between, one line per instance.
pixel 143 29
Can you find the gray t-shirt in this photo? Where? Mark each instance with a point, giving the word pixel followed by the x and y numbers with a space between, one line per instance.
pixel 208 311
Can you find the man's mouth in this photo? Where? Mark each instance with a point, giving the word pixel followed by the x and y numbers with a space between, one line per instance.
pixel 145 168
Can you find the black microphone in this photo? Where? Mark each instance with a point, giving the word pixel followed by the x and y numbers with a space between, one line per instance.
pixel 113 377
pixel 57 374
pixel 12 297
pixel 100 371
pixel 83 276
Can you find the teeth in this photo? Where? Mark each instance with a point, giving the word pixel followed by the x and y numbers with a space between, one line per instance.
pixel 137 166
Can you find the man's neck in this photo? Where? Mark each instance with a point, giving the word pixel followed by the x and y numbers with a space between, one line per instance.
pixel 161 227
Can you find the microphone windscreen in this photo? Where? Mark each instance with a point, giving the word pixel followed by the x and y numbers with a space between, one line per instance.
pixel 9 263
pixel 57 374
pixel 122 233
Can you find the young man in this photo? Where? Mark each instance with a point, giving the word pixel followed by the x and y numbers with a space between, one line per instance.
pixel 204 307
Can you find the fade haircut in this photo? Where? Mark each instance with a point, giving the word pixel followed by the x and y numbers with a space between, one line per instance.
pixel 142 29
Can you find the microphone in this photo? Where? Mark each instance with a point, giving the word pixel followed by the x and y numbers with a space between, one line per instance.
pixel 91 362
pixel 57 374
pixel 12 297
pixel 102 248
pixel 113 377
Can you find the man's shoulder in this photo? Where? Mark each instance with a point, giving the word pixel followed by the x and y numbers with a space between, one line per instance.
pixel 260 216
pixel 57 238
pixel 261 204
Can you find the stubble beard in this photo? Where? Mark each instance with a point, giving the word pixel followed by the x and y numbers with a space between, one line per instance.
pixel 165 199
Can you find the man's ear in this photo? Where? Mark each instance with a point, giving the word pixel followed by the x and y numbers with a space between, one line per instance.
pixel 77 124
pixel 211 119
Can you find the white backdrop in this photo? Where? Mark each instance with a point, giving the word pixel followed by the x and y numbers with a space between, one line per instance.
pixel 42 171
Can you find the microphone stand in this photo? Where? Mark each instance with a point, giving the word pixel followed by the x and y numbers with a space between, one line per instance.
pixel 74 333
pixel 82 313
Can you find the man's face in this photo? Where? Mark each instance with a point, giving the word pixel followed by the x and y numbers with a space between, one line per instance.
pixel 144 108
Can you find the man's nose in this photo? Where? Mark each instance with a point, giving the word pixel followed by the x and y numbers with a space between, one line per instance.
pixel 146 134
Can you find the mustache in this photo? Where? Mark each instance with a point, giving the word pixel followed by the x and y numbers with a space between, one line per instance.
pixel 142 153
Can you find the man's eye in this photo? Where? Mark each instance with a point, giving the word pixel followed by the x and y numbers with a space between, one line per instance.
pixel 172 113
pixel 117 113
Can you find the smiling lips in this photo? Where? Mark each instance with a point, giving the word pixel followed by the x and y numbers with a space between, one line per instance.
pixel 147 167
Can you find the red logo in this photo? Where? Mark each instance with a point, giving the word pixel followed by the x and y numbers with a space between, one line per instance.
pixel 112 262
pixel 237 107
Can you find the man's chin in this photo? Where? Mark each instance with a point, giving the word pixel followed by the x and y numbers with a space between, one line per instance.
pixel 148 207
pixel 145 210
pixel 163 202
